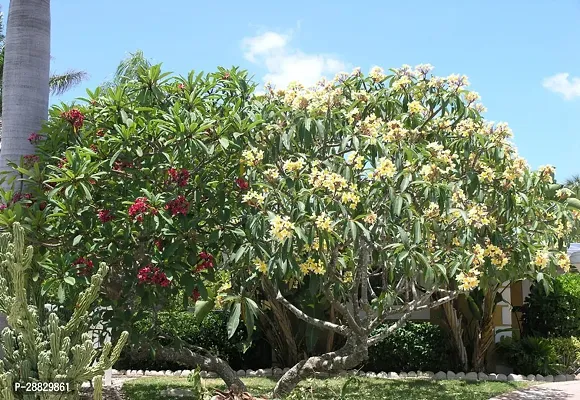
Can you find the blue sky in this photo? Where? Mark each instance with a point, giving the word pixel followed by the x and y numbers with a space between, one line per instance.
pixel 516 53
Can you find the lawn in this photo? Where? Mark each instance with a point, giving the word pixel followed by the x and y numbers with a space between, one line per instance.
pixel 329 389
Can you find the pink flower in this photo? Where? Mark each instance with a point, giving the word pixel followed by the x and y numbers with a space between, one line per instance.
pixel 178 206
pixel 34 138
pixel 74 117
pixel 138 209
pixel 84 266
pixel 105 216
pixel 153 275
pixel 207 261
pixel 179 177
pixel 30 159
pixel 242 184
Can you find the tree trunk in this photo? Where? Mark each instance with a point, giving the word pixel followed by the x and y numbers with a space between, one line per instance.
pixel 486 334
pixel 205 360
pixel 352 354
pixel 283 325
pixel 25 86
pixel 454 324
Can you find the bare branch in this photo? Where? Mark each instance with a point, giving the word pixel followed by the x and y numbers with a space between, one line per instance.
pixel 340 329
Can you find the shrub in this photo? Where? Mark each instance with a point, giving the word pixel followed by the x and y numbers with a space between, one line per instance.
pixel 211 334
pixel 554 314
pixel 531 355
pixel 417 346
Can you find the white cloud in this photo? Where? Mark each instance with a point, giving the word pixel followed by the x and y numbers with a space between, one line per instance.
pixel 560 83
pixel 285 64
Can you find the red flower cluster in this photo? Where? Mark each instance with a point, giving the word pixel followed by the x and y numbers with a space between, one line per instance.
pixel 62 162
pixel 242 184
pixel 153 275
pixel 100 133
pixel 207 261
pixel 94 148
pixel 178 206
pixel 20 196
pixel 34 138
pixel 75 117
pixel 139 208
pixel 180 177
pixel 105 215
pixel 30 159
pixel 195 295
pixel 87 266
pixel 120 165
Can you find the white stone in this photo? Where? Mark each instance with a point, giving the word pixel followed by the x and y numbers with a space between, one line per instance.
pixel 286 369
pixel 177 393
pixel 482 376
pixel 430 374
pixel 140 372
pixel 570 377
pixel 577 377
pixel 402 375
pixel 515 378
pixel 177 373
pixel 382 375
pixel 115 372
pixel 277 372
pixel 371 375
pixel 260 372
pixel 342 372
pixel 549 378
pixel 393 375
pixel 411 374
pixel 540 378
pixel 212 375
pixel 471 376
pixel 185 372
pixel 460 375
pixel 440 376
pixel 492 377
pixel 323 375
pixel 148 373
pixel 268 372
pixel 86 385
pixel 451 375
pixel 560 378
pixel 251 373
pixel 168 372
pixel 502 378
pixel 241 373
pixel 531 377
pixel 203 374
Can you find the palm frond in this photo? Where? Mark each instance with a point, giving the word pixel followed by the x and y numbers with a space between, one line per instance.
pixel 129 67
pixel 60 83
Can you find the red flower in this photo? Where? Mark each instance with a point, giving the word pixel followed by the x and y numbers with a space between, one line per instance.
pixel 153 275
pixel 100 133
pixel 84 266
pixel 2 206
pixel 179 177
pixel 242 184
pixel 105 216
pixel 227 75
pixel 42 205
pixel 180 86
pixel 62 162
pixel 120 165
pixel 177 206
pixel 195 295
pixel 30 159
pixel 34 138
pixel 94 148
pixel 138 209
pixel 75 117
pixel 207 261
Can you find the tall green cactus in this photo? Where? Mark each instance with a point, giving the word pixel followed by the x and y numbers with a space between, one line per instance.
pixel 47 351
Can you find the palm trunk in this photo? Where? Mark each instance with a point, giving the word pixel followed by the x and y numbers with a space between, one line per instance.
pixel 25 87
pixel 454 323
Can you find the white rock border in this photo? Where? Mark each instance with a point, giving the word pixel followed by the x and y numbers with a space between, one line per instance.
pixel 449 375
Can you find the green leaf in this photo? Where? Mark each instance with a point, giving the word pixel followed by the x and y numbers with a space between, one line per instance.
pixel 234 320
pixel 139 152
pixel 224 142
pixel 202 309
pixel 77 239
pixel 397 205
pixel 417 231
pixel 70 280
pixel 573 203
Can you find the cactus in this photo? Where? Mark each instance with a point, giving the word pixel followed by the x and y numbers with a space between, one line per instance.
pixel 46 351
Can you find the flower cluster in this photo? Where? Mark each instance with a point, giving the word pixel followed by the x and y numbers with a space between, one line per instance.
pixel 178 206
pixel 84 266
pixel 468 280
pixel 34 138
pixel 30 159
pixel 432 211
pixel 207 261
pixel 477 216
pixel 158 244
pixel 179 177
pixel 355 160
pixel 152 275
pixel 496 255
pixel 242 184
pixel 563 193
pixel 74 117
pixel 121 165
pixel 293 166
pixel 139 208
pixel 385 169
pixel 335 184
pixel 316 267
pixel 395 131
pixel 370 128
pixel 261 265
pixel 272 174
pixel 252 157
pixel 371 218
pixel 281 228
pixel 105 215
pixel 563 261
pixel 254 198
pixel 323 222
pixel 547 173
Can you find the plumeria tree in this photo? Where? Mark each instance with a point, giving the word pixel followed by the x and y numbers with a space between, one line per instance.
pixel 388 194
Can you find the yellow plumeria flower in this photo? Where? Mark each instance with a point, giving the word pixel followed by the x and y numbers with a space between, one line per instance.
pixel 260 265
pixel 281 228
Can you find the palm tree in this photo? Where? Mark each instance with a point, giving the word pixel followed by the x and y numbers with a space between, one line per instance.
pixel 128 69
pixel 573 183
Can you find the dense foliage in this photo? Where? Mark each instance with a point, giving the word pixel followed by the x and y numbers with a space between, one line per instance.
pixel 555 313
pixel 531 355
pixel 419 346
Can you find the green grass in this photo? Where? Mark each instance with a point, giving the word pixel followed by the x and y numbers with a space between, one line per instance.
pixel 329 389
